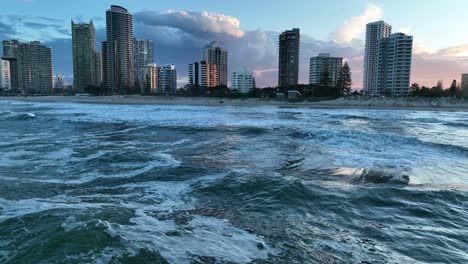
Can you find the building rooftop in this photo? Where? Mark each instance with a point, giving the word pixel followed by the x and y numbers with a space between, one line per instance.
pixel 117 8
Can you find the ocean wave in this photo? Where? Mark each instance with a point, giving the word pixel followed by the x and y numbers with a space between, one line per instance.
pixel 355 117
pixel 457 124
pixel 17 116
pixel 379 177
pixel 200 237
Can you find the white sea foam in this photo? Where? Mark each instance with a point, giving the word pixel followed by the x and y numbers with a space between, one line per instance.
pixel 13 209
pixel 61 154
pixel 202 236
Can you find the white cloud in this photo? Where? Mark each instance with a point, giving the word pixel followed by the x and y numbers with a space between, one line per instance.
pixel 354 27
pixel 421 48
pixel 406 30
pixel 455 52
pixel 200 24
pixel 27 28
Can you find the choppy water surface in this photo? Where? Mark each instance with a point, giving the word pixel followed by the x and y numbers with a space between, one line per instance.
pixel 180 184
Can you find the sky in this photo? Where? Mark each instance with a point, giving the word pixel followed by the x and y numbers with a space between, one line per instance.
pixel 250 29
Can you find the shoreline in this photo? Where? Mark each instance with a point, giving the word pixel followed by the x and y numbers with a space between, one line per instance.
pixel 419 104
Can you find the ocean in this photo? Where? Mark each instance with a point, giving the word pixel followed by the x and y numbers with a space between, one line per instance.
pixel 89 183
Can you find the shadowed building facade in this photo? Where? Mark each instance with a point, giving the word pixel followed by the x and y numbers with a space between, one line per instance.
pixel 213 54
pixel 167 78
pixel 86 61
pixel 144 58
pixel 387 61
pixel 149 79
pixel 374 33
pixel 119 71
pixel 394 65
pixel 464 84
pixel 288 66
pixel 325 63
pixel 35 70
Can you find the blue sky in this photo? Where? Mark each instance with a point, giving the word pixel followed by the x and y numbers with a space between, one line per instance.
pixel 437 26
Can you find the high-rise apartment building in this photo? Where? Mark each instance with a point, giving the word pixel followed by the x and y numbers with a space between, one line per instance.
pixel 167 76
pixel 374 33
pixel 288 66
pixel 144 57
pixel 325 63
pixel 59 82
pixel 35 70
pixel 86 61
pixel 149 77
pixel 394 65
pixel 464 84
pixel 98 68
pixel 213 54
pixel 5 77
pixel 119 66
pixel 243 81
pixel 104 79
pixel 9 50
pixel 203 74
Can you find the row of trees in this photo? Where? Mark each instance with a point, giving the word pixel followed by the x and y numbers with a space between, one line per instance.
pixel 436 91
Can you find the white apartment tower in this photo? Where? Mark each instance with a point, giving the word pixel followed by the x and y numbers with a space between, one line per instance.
pixel 5 75
pixel 167 76
pixel 325 63
pixel 394 65
pixel 143 57
pixel 374 33
pixel 149 79
pixel 243 81
pixel 9 54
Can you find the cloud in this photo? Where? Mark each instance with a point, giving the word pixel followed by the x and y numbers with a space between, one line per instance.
pixel 28 28
pixel 421 48
pixel 199 24
pixel 431 65
pixel 454 52
pixel 354 27
pixel 406 30
pixel 5 29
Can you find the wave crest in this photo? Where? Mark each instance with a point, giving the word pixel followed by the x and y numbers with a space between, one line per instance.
pixel 371 176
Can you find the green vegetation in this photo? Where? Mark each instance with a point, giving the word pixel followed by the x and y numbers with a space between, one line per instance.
pixel 436 91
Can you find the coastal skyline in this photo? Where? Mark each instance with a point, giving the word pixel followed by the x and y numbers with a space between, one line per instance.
pixel 338 30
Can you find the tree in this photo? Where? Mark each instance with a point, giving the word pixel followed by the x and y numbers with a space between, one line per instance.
pixel 440 85
pixel 415 89
pixel 197 90
pixel 453 88
pixel 325 79
pixel 345 81
pixel 325 88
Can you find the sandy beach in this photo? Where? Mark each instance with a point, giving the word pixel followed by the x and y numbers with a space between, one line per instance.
pixel 420 104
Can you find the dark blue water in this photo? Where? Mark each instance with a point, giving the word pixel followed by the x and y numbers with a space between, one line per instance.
pixel 183 184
